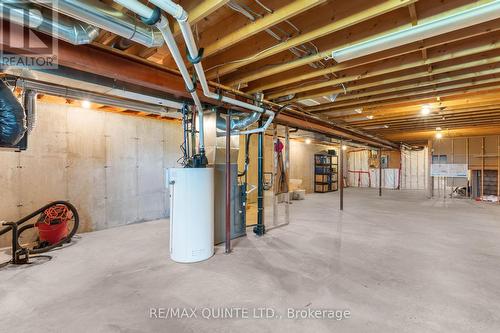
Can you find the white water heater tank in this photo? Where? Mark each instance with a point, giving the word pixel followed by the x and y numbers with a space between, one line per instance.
pixel 191 213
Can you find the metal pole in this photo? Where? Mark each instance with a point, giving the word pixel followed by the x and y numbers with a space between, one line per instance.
pixel 287 170
pixel 430 178
pixel 340 175
pixel 380 172
pixel 228 182
pixel 259 228
pixel 275 174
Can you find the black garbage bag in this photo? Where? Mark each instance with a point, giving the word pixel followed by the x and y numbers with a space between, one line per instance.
pixel 12 117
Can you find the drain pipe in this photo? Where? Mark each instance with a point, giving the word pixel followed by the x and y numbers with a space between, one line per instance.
pixel 164 28
pixel 259 229
pixel 195 56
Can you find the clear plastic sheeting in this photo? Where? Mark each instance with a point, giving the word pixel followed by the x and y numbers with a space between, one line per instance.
pixel 389 178
pixel 414 169
pixel 361 175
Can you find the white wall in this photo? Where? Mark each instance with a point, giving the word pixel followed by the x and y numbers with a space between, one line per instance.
pixel 111 166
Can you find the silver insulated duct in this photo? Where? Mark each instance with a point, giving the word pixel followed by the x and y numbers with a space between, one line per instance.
pixel 63 28
pixel 108 18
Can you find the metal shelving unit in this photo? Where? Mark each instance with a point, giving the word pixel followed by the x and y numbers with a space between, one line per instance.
pixel 325 173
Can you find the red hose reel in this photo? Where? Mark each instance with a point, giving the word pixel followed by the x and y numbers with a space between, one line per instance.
pixel 52 224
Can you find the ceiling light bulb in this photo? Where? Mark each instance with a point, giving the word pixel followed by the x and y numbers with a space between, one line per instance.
pixel 438 128
pixel 344 147
pixel 369 117
pixel 308 141
pixel 358 110
pixel 439 135
pixel 425 110
pixel 86 104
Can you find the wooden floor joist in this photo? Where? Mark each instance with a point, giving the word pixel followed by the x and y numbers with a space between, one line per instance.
pixel 284 50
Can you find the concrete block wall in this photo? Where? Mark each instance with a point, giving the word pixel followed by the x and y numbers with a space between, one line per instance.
pixel 111 166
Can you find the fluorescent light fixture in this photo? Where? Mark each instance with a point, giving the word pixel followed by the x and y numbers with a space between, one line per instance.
pixel 308 141
pixel 86 104
pixel 464 19
pixel 426 110
pixel 439 135
pixel 375 127
pixel 332 97
pixel 309 102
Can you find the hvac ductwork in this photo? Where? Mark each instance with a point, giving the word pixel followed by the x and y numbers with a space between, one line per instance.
pixel 29 103
pixel 63 28
pixel 107 18
pixel 242 121
pixel 12 117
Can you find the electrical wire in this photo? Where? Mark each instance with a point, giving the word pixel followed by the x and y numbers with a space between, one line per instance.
pixel 269 10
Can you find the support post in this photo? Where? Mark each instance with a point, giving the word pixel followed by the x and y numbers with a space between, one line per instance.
pixel 228 182
pixel 482 167
pixel 340 175
pixel 275 174
pixel 287 170
pixel 380 172
pixel 259 229
pixel 430 179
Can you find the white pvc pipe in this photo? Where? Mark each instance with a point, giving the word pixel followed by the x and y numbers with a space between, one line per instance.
pixel 467 18
pixel 182 17
pixel 164 28
pixel 162 25
pixel 136 7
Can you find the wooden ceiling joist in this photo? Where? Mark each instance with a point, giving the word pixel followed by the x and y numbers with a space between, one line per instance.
pixel 370 99
pixel 201 10
pixel 423 96
pixel 293 8
pixel 401 67
pixel 337 25
pixel 425 75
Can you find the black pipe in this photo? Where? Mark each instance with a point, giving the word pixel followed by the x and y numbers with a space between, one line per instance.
pixel 12 117
pixel 12 226
pixel 247 157
pixel 259 229
pixel 340 175
pixel 380 172
pixel 228 182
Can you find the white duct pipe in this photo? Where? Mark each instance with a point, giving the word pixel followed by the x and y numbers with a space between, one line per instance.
pixel 63 28
pixel 182 18
pixel 101 15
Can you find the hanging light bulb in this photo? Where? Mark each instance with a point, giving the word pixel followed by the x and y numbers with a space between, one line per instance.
pixel 426 110
pixel 86 104
pixel 439 135
pixel 308 141
pixel 344 147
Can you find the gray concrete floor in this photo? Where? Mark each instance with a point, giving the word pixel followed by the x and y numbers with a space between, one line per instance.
pixel 399 263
